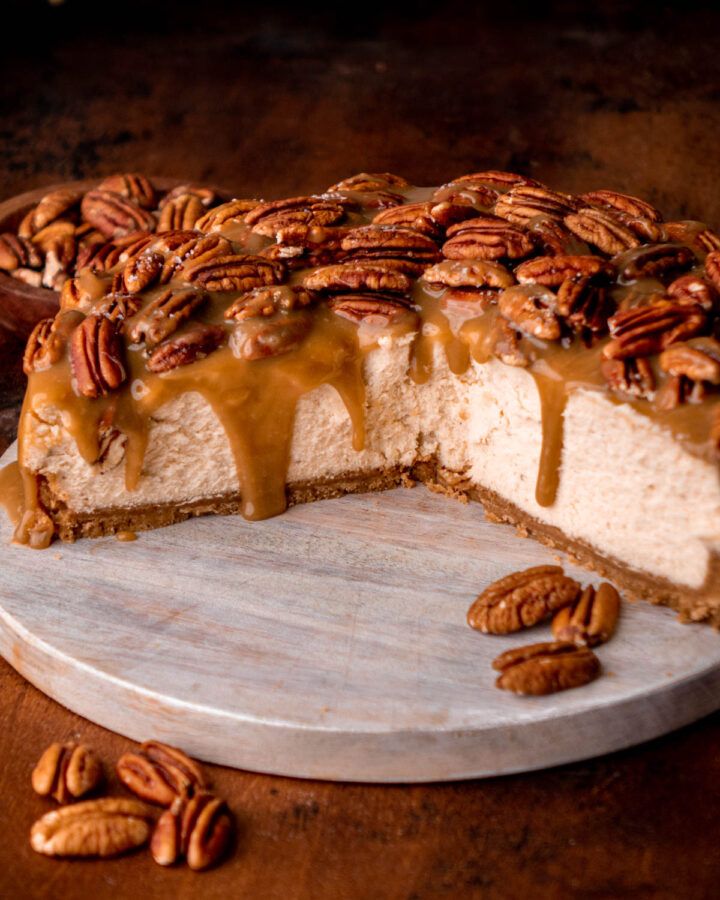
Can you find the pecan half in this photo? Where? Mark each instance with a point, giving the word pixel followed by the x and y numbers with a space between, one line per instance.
pixel 113 215
pixel 530 309
pixel 105 827
pixel 546 668
pixel 623 203
pixel 262 338
pixel 205 195
pixel 357 276
pixel 198 829
pixel 118 307
pixel 370 182
pixel 97 357
pixel 165 315
pixel 44 347
pixel 141 271
pixel 487 238
pixel 554 239
pixel 412 215
pixel 712 268
pixel 695 234
pixel 391 242
pixel 695 289
pixel 133 187
pixel 655 261
pixel 159 773
pixel 477 273
pixel 553 270
pixel 630 377
pixel 384 309
pixel 180 213
pixel 51 207
pixel 267 301
pixel 591 620
pixel 18 252
pixel 268 218
pixel 98 258
pixel 584 304
pixel 66 771
pixel 59 259
pixel 644 330
pixel 198 250
pixel 505 344
pixel 232 272
pixel 226 214
pixel 698 360
pixel 498 179
pixel 184 349
pixel 601 230
pixel 524 202
pixel 522 599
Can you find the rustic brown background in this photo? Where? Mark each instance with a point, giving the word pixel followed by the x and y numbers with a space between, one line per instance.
pixel 289 99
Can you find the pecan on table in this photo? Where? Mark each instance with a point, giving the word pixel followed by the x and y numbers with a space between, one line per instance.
pixel 197 828
pixel 66 771
pixel 159 773
pixel 105 827
pixel 591 620
pixel 522 599
pixel 546 668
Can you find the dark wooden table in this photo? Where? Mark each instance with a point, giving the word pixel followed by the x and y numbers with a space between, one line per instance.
pixel 625 96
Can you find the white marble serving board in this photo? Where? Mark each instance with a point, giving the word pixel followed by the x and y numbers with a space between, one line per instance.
pixel 331 643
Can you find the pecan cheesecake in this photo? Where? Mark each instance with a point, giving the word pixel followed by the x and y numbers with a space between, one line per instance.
pixel 552 356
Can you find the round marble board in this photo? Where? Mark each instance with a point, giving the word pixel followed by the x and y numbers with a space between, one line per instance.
pixel 331 642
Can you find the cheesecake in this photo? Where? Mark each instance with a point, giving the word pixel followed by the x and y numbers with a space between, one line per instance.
pixel 551 356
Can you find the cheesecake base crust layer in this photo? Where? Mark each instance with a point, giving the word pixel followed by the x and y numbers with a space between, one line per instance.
pixel 693 605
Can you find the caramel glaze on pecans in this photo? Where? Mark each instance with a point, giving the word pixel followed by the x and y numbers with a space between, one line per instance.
pixel 184 292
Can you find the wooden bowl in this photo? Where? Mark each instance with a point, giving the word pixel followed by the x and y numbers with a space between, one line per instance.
pixel 21 305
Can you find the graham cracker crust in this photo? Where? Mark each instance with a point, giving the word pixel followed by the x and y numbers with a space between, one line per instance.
pixel 692 605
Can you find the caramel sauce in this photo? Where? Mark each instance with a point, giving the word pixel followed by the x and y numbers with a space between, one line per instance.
pixel 255 401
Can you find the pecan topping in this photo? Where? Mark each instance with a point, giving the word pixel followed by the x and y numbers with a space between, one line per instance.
pixel 98 258
pixel 97 357
pixel 262 338
pixel 553 270
pixel 391 242
pixel 44 347
pixel 74 296
pixel 181 350
pixel 66 771
pixel 523 202
pixel 370 182
pixel 380 308
pixel 141 271
pixel 267 301
pixel 198 829
pixel 198 250
pixel 591 620
pixel 695 289
pixel 712 268
pixel 205 195
pixel 502 181
pixel 159 773
pixel 412 215
pixel 268 218
pixel 131 186
pixel 644 330
pixel 584 304
pixel 546 668
pixel 630 377
pixel 478 273
pixel 181 213
pixel 105 827
pixel 522 599
pixel 698 360
pixel 113 215
pixel 624 203
pixel 165 315
pixel 487 238
pixel 505 343
pixel 226 214
pixel 233 272
pixel 357 276
pixel 18 252
pixel 695 234
pixel 655 261
pixel 530 308
pixel 51 207
pixel 601 230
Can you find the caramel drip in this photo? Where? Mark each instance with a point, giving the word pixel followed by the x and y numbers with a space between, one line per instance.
pixel 553 399
pixel 436 328
pixel 12 492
